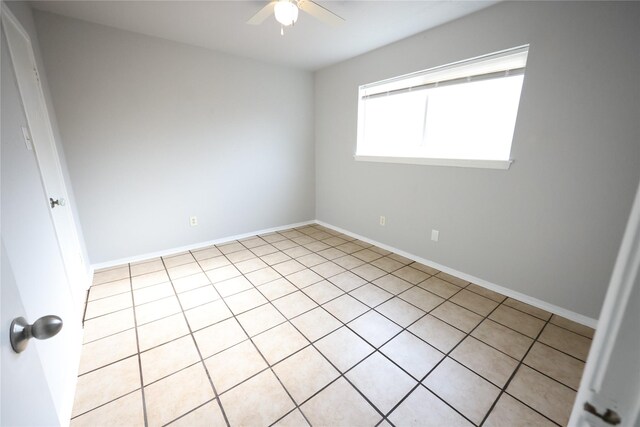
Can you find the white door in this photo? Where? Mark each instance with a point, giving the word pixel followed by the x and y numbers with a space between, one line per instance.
pixel 38 385
pixel 611 380
pixel 41 134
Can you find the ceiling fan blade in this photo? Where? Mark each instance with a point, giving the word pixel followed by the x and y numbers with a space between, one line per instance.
pixel 262 14
pixel 317 11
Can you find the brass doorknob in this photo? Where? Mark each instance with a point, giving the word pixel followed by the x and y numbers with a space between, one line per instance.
pixel 43 328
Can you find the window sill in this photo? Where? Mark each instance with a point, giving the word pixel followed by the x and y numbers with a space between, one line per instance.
pixel 463 163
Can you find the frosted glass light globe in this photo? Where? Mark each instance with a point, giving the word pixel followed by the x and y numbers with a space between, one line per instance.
pixel 286 12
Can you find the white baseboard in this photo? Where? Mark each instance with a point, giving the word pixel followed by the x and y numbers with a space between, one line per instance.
pixel 168 252
pixel 576 317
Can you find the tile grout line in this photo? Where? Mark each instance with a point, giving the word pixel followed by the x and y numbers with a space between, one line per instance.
pixel 321 306
pixel 351 254
pixel 342 375
pixel 108 336
pixel 105 403
pixel 419 381
pixel 371 309
pixel 135 323
pixel 467 335
pixel 513 374
pixel 86 304
pixel 374 284
pixel 387 272
pixel 190 411
pixel 247 334
pixel 546 375
pixel 406 329
pixel 520 362
pixel 524 404
pixel 446 355
pixel 376 348
pixel 269 366
pixel 343 293
pixel 287 320
pixel 391 272
pixel 193 338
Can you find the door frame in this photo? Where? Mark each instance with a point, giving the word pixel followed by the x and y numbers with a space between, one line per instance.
pixel 623 279
pixel 41 132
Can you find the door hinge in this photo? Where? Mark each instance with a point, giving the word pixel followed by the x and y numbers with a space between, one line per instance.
pixel 35 72
pixel 27 138
pixel 57 202
pixel 610 416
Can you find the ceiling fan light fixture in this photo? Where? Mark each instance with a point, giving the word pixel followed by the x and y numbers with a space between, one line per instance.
pixel 286 12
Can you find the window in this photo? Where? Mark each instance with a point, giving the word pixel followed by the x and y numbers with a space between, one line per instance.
pixel 461 114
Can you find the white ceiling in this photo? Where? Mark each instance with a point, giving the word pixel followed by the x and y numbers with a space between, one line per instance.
pixel 309 44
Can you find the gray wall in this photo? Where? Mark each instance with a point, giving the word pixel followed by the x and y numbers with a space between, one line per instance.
pixel 549 227
pixel 156 131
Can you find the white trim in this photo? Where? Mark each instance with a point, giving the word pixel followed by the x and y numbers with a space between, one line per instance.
pixel 463 163
pixel 576 317
pixel 15 22
pixel 167 252
pixel 623 279
pixel 518 56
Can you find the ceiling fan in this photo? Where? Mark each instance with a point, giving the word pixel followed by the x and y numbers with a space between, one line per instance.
pixel 286 13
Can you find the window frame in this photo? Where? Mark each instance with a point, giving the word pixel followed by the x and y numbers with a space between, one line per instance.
pixel 432 161
pixel 503 64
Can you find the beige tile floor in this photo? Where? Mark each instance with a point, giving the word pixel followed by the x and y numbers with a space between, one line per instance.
pixel 309 326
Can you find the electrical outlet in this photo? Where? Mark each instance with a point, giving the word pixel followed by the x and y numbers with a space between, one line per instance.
pixel 383 220
pixel 435 235
pixel 193 221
